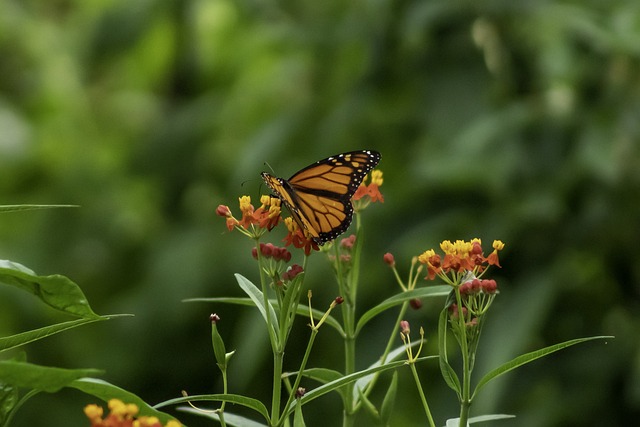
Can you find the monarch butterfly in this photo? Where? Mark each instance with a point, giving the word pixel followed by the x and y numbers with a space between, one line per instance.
pixel 319 196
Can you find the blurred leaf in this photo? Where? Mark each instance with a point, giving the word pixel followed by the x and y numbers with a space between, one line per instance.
pixel 56 291
pixel 8 400
pixel 17 208
pixel 229 419
pixel 106 391
pixel 454 422
pixel 431 291
pixel 389 400
pixel 44 378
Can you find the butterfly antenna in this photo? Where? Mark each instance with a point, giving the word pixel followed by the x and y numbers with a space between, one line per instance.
pixel 270 168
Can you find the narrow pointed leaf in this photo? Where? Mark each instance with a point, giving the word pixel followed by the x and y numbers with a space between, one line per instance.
pixel 323 376
pixel 256 296
pixel 448 373
pixel 454 422
pixel 229 418
pixel 56 291
pixel 389 400
pixel 329 387
pixel 106 391
pixel 235 399
pixel 37 377
pixel 298 419
pixel 17 340
pixel 301 309
pixel 363 383
pixel 530 357
pixel 431 291
pixel 18 208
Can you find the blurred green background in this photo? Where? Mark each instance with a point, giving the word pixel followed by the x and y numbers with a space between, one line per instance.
pixel 511 120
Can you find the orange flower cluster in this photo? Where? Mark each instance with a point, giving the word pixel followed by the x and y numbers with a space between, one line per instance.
pixel 298 238
pixel 372 190
pixel 266 216
pixel 122 415
pixel 459 257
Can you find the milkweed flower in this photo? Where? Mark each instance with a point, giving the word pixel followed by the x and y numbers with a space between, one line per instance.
pixel 254 222
pixel 460 258
pixel 369 193
pixel 298 238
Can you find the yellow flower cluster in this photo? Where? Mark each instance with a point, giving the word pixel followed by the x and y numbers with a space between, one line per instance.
pixel 122 415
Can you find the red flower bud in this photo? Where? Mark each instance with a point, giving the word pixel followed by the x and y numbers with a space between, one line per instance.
pixel 223 210
pixel 416 303
pixel 389 259
pixel 404 327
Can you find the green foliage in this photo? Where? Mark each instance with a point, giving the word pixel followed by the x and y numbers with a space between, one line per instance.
pixel 502 119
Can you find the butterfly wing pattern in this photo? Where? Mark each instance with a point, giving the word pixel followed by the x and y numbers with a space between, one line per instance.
pixel 319 196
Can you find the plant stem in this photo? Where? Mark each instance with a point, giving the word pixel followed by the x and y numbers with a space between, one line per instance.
pixel 465 400
pixel 303 365
pixel 423 398
pixel 277 387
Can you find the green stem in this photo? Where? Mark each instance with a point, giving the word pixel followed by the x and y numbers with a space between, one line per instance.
pixel 465 399
pixel 277 387
pixel 423 398
pixel 278 352
pixel 303 365
pixel 225 390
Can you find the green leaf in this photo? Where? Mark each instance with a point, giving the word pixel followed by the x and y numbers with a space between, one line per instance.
pixel 363 383
pixel 8 400
pixel 18 208
pixel 369 406
pixel 431 291
pixel 298 419
pixel 323 376
pixel 258 300
pixel 530 357
pixel 43 378
pixel 229 419
pixel 301 309
pixel 17 340
pixel 389 399
pixel 448 373
pixel 454 422
pixel 219 349
pixel 348 379
pixel 56 291
pixel 235 399
pixel 106 391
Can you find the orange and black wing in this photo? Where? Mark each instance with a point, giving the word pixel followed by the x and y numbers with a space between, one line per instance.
pixel 319 196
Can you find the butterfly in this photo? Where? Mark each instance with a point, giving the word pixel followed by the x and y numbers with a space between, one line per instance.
pixel 319 196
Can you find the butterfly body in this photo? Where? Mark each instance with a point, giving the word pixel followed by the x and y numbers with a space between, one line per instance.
pixel 319 196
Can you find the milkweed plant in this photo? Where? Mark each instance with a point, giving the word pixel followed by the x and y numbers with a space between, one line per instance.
pixel 458 273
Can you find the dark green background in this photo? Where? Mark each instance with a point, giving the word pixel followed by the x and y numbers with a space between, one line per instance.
pixel 511 120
